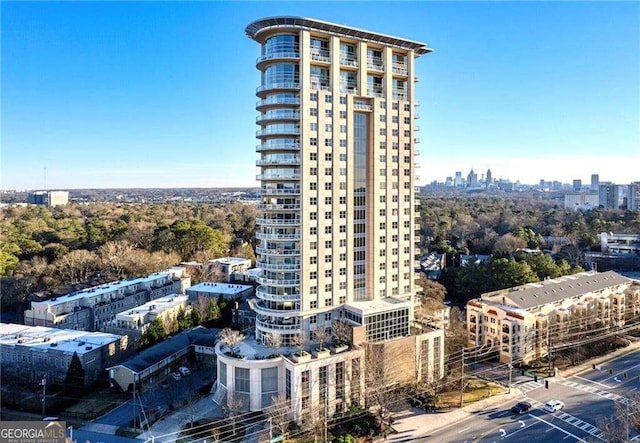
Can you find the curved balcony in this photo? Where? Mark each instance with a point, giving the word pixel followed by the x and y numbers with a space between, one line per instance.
pixel 278 207
pixel 277 222
pixel 265 295
pixel 277 251
pixel 279 191
pixel 261 309
pixel 278 115
pixel 277 86
pixel 293 161
pixel 277 55
pixel 273 236
pixel 278 282
pixel 278 146
pixel 277 101
pixel 278 177
pixel 278 130
pixel 269 326
pixel 278 267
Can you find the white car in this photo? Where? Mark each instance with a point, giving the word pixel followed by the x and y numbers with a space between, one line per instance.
pixel 184 371
pixel 176 375
pixel 553 405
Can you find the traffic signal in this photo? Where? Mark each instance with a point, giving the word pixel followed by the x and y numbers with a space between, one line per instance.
pixel 610 371
pixel 593 366
pixel 624 375
pixel 535 378
pixel 546 384
pixel 522 371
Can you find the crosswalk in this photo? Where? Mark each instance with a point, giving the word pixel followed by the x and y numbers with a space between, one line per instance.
pixel 599 392
pixel 570 419
pixel 529 386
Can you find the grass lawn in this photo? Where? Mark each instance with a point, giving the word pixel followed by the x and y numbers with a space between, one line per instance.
pixel 475 390
pixel 95 403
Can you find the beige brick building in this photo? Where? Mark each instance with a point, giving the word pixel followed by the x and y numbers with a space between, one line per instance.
pixel 521 323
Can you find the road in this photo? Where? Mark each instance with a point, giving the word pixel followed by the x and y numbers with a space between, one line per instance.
pixel 589 397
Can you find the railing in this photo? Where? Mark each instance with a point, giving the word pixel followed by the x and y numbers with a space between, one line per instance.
pixel 319 86
pixel 399 96
pixel 276 85
pixel 275 221
pixel 268 177
pixel 279 191
pixel 375 92
pixel 278 131
pixel 261 309
pixel 400 68
pixel 277 146
pixel 348 61
pixel 416 115
pixel 363 106
pixel 277 54
pixel 278 267
pixel 281 115
pixel 277 327
pixel 278 101
pixel 277 251
pixel 278 206
pixel 265 236
pixel 375 63
pixel 319 55
pixel 283 161
pixel 278 281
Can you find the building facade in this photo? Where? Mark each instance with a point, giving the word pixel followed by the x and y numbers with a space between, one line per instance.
pixel 31 353
pixel 95 308
pixel 337 226
pixel 48 198
pixel 523 322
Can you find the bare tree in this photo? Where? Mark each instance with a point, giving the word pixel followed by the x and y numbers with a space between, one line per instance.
pixel 320 334
pixel 340 333
pixel 278 413
pixel 233 407
pixel 114 256
pixel 76 266
pixel 273 341
pixel 231 339
pixel 300 342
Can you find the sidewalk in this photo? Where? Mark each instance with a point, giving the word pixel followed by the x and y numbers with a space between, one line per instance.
pixel 415 423
pixel 633 347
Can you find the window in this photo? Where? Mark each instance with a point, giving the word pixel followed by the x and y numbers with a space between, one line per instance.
pixel 343 101
pixel 328 113
pixel 327 315
pixel 313 215
pixel 327 156
pixel 313 156
pixel 313 186
pixel 313 126
pixel 343 129
pixel 328 258
pixel 343 114
pixel 313 112
pixel 327 272
pixel 313 304
pixel 328 99
pixel 314 97
pixel 327 186
pixel 313 171
pixel 313 275
pixel 343 144
pixel 313 245
pixel 328 171
pixel 383 118
pixel 269 385
pixel 328 127
pixel 327 229
pixel 328 244
pixel 313 230
pixel 313 141
pixel 327 215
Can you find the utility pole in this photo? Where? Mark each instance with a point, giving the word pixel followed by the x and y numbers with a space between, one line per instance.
pixel 626 423
pixel 510 369
pixel 44 394
pixel 462 380
pixel 549 345
pixel 326 410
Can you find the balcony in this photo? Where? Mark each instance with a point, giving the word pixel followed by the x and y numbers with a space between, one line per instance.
pixel 275 236
pixel 278 206
pixel 278 281
pixel 278 55
pixel 278 266
pixel 348 61
pixel 416 152
pixel 271 326
pixel 416 79
pixel 416 127
pixel 416 115
pixel 268 190
pixel 263 293
pixel 375 92
pixel 362 106
pixel 277 251
pixel 278 115
pixel 472 319
pixel 400 96
pixel 285 86
pixel 275 101
pixel 416 140
pixel 278 146
pixel 267 177
pixel 400 68
pixel 278 131
pixel 278 222
pixel 292 161
pixel 375 64
pixel 261 308
pixel 319 55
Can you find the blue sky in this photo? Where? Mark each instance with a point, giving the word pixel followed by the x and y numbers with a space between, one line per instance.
pixel 126 94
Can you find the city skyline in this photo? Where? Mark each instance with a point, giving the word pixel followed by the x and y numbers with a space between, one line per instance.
pixel 117 95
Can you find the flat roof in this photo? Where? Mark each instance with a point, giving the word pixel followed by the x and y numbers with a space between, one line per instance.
pixel 229 260
pixel 258 26
pixel 219 288
pixel 378 305
pixel 157 305
pixel 41 338
pixel 105 288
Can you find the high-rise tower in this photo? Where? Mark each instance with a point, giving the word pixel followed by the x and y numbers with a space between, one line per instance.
pixel 338 216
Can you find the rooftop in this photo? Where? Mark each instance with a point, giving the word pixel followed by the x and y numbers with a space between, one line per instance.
pixel 229 260
pixel 42 338
pixel 544 292
pixel 157 306
pixel 219 288
pixel 254 29
pixel 378 305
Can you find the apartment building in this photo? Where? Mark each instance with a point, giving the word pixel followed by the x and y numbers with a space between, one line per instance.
pixel 94 308
pixel 219 290
pixel 522 322
pixel 165 308
pixel 337 226
pixel 31 353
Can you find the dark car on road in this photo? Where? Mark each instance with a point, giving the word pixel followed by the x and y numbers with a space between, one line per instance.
pixel 521 407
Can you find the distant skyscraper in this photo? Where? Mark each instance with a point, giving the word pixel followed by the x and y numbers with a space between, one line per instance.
pixel 634 196
pixel 577 184
pixel 472 178
pixel 489 180
pixel 458 181
pixel 608 196
pixel 595 182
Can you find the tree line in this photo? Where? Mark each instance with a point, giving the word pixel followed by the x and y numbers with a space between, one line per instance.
pixel 48 250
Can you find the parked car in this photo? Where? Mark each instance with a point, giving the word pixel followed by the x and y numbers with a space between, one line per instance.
pixel 176 376
pixel 521 407
pixel 184 370
pixel 553 405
